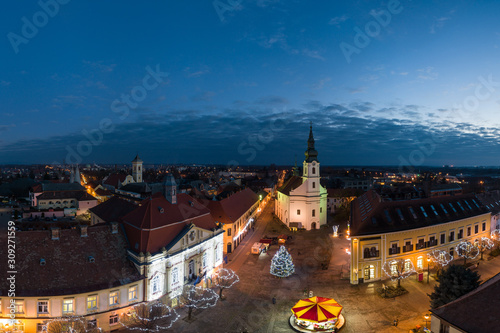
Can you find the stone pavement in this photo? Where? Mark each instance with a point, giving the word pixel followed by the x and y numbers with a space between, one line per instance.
pixel 248 305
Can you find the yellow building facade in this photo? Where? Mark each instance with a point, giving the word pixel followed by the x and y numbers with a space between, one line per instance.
pixel 411 230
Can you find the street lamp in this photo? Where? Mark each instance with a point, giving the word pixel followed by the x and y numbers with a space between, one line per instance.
pixel 428 271
pixel 427 317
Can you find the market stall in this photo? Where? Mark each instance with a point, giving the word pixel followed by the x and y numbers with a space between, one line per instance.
pixel 317 314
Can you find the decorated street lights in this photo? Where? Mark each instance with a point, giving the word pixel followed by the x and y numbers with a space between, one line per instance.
pixel 427 317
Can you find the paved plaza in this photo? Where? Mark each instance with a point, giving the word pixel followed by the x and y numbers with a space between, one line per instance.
pixel 248 305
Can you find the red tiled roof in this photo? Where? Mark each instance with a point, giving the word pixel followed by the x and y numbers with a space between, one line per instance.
pixel 114 179
pixel 67 269
pixel 113 209
pixel 78 195
pixel 290 185
pixel 229 210
pixel 156 222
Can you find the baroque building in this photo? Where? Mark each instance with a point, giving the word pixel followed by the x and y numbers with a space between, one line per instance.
pixel 301 202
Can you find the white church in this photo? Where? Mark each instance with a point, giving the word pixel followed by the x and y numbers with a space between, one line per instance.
pixel 301 202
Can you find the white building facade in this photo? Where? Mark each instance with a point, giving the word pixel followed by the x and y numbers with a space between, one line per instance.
pixel 302 202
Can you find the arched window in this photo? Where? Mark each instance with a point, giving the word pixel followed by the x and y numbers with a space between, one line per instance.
pixel 314 171
pixel 155 282
pixel 420 262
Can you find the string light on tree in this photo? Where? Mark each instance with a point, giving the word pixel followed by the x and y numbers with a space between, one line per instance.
pixel 442 258
pixel 152 317
pixel 282 263
pixel 398 269
pixel 198 298
pixel 483 244
pixel 467 250
pixel 71 324
pixel 224 279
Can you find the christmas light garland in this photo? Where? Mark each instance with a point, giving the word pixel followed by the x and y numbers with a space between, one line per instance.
pixel 402 272
pixel 225 278
pixel 199 297
pixel 440 257
pixel 282 264
pixel 168 313
pixel 467 250
pixel 71 320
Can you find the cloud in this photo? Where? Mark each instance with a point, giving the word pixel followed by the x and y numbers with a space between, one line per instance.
pixel 438 23
pixel 190 73
pixel 98 65
pixel 321 83
pixel 4 83
pixel 362 132
pixel 271 100
pixel 203 96
pixel 337 20
pixel 427 73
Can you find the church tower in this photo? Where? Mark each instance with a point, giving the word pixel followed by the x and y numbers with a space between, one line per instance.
pixel 311 164
pixel 137 169
pixel 170 189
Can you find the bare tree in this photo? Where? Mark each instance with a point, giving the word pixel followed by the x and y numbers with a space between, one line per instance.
pixel 483 244
pixel 467 250
pixel 71 324
pixel 198 298
pixel 398 269
pixel 151 317
pixel 224 279
pixel 441 258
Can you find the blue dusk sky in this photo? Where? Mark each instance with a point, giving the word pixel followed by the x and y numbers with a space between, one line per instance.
pixel 239 81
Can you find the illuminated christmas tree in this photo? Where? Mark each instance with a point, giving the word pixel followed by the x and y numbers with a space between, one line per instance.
pixel 282 264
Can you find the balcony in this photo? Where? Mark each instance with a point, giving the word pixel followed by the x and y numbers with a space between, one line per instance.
pixel 420 246
pixel 394 250
pixel 432 242
pixel 371 254
pixel 408 248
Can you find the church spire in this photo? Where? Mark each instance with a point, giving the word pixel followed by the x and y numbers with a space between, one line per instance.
pixel 311 153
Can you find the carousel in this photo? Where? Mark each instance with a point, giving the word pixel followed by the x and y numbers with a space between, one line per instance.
pixel 317 314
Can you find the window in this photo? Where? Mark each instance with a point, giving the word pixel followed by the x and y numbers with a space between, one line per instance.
pixel 443 238
pixel 407 265
pixel 460 233
pixel 413 213
pixel 387 216
pixel 484 226
pixel 461 207
pixel 0 305
pixel 19 306
pixel 444 209
pixel 476 228
pixel 43 307
pixel 394 268
pixel 132 293
pixel 175 275
pixel 92 324
pixel 452 236
pixel 314 171
pixel 420 262
pixel 113 298
pixel 92 303
pixel 205 260
pixel 423 211
pixel 113 319
pixel 468 231
pixel 67 306
pixel 400 214
pixel 314 212
pixel 454 210
pixel 443 328
pixel 229 232
pixel 155 282
pixel 434 210
pixel 298 211
pixel 470 208
pixel 321 209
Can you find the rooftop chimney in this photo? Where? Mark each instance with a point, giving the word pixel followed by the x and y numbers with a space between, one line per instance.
pixel 114 227
pixel 54 233
pixel 83 230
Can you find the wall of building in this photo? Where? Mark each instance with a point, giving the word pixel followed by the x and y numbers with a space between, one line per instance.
pixel 383 242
